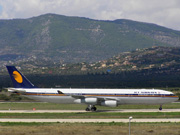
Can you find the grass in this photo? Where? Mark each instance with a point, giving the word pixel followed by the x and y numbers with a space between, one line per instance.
pixel 89 128
pixel 91 115
pixel 53 106
pixel 21 128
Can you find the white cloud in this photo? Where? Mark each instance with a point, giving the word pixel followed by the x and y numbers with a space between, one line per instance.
pixel 162 12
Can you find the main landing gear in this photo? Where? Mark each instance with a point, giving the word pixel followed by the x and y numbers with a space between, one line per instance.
pixel 91 108
pixel 160 108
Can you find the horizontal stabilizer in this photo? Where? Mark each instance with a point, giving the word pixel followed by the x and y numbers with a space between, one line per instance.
pixel 16 90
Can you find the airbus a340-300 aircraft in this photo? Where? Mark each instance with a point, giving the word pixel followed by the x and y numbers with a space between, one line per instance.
pixel 91 97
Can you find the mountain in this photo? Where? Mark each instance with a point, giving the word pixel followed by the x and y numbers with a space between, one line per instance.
pixel 149 67
pixel 154 60
pixel 63 39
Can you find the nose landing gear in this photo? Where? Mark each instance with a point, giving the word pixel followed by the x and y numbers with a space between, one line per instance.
pixel 160 108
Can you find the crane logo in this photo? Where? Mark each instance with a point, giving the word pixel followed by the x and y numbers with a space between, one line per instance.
pixel 17 77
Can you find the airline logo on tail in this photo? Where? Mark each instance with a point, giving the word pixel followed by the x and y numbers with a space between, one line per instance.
pixel 17 77
pixel 18 80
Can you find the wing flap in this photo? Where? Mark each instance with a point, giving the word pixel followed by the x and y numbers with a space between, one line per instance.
pixel 98 98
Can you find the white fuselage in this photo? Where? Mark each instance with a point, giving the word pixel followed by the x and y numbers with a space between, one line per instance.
pixel 122 96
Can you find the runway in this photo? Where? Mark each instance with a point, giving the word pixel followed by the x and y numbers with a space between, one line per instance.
pixel 83 111
pixel 89 120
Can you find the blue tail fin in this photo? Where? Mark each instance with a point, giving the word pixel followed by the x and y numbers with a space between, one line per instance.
pixel 19 81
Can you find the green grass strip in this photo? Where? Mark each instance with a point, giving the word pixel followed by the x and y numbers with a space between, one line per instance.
pixel 93 115
pixel 87 123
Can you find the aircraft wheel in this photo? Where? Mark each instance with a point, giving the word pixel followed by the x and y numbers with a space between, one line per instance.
pixel 160 108
pixel 93 109
pixel 87 109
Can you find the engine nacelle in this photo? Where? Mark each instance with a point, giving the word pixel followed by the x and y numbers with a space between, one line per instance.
pixel 92 101
pixel 109 103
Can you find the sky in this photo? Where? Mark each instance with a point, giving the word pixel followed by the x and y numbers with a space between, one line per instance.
pixel 162 12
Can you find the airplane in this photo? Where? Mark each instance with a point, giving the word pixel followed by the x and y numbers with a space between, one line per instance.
pixel 91 97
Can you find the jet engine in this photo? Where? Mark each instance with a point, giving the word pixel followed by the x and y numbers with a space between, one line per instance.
pixel 109 103
pixel 92 101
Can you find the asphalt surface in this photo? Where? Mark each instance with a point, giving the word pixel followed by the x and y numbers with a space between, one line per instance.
pixel 78 111
pixel 89 120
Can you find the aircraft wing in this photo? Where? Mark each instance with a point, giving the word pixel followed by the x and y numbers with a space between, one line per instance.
pixel 89 96
pixel 96 100
pixel 93 99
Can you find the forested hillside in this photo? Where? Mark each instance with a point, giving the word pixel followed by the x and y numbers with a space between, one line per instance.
pixel 65 39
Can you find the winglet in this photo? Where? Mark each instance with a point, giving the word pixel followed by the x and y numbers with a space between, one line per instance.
pixel 19 80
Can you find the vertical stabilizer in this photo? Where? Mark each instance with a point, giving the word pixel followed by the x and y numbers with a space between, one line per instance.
pixel 19 80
